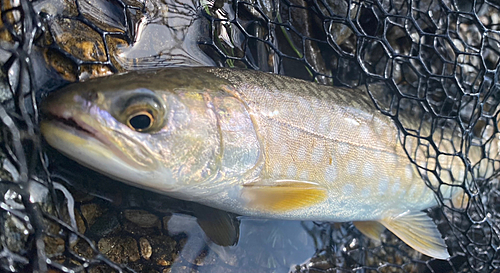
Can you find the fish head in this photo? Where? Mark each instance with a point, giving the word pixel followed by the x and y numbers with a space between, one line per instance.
pixel 159 135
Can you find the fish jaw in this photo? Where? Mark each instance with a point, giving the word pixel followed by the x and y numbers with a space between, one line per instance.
pixel 77 144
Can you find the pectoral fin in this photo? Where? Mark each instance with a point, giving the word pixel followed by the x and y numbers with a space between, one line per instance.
pixel 418 231
pixel 370 229
pixel 282 196
pixel 221 227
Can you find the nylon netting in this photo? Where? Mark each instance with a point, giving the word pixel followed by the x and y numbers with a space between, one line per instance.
pixel 437 61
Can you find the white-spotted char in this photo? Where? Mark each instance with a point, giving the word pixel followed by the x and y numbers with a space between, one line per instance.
pixel 251 143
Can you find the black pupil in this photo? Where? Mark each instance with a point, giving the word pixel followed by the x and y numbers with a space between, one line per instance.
pixel 140 122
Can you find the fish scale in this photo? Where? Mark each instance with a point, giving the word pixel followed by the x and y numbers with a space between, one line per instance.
pixel 301 126
pixel 260 145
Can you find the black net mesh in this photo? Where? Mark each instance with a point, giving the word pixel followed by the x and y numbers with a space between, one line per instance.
pixel 436 61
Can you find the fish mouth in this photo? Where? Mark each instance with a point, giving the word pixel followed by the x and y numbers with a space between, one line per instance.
pixel 77 127
pixel 71 128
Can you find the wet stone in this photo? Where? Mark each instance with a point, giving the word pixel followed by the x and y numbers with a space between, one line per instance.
pixel 91 212
pixel 15 233
pixel 80 223
pixel 53 246
pixel 94 71
pixel 207 258
pixel 5 93
pixel 83 249
pixel 116 45
pixel 146 249
pixel 164 249
pixel 105 225
pixel 119 249
pixel 150 226
pixel 61 64
pixel 79 40
pixel 142 218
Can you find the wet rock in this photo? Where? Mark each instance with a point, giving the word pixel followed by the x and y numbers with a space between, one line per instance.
pixel 142 218
pixel 53 246
pixel 105 225
pixel 80 223
pixel 119 249
pixel 146 249
pixel 5 93
pixel 84 249
pixel 88 46
pixel 15 233
pixel 94 71
pixel 164 249
pixel 91 212
pixel 65 67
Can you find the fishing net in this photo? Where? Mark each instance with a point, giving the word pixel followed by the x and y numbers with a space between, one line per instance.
pixel 436 61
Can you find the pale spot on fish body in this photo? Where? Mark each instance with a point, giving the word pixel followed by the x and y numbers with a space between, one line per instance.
pixel 301 152
pixel 365 131
pixel 276 134
pixel 276 170
pixel 352 121
pixel 365 192
pixel 412 191
pixel 291 171
pixel 324 124
pixel 352 167
pixel 391 158
pixel 342 148
pixel 284 149
pixel 409 172
pixel 348 189
pixel 317 154
pixel 303 104
pixel 330 173
pixel 304 175
pixel 396 185
pixel 272 114
pixel 390 136
pixel 368 169
pixel 383 185
pixel 294 134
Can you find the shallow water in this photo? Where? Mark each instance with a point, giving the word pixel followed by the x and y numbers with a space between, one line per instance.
pixel 264 245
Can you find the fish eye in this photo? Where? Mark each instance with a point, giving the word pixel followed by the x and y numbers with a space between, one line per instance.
pixel 142 114
pixel 141 121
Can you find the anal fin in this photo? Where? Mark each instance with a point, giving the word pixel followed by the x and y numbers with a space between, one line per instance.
pixel 282 196
pixel 418 231
pixel 370 229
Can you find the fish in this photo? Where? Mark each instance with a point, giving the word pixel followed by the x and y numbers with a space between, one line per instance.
pixel 250 143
